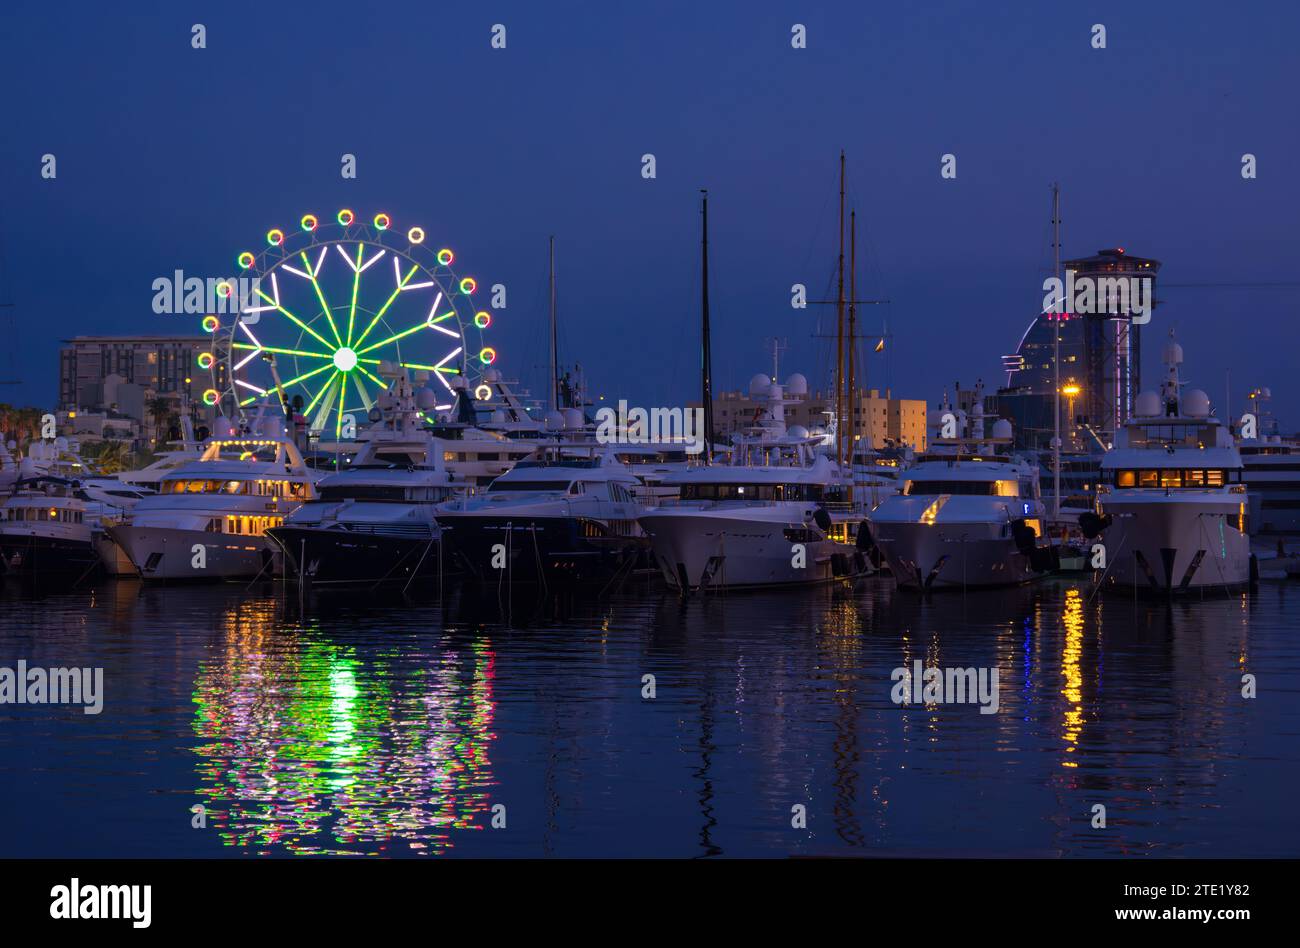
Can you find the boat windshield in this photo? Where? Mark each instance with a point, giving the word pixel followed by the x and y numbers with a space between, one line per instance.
pixel 800 492
pixel 978 488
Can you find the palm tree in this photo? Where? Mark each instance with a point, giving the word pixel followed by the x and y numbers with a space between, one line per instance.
pixel 158 408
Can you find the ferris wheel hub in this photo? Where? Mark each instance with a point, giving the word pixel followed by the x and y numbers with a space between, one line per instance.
pixel 345 360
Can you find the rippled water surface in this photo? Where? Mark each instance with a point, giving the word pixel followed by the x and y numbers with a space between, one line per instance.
pixel 373 725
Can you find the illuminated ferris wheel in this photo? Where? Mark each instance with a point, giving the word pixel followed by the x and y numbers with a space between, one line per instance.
pixel 326 310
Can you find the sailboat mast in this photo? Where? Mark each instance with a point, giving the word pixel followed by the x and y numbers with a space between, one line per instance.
pixel 853 312
pixel 555 354
pixel 1056 354
pixel 839 332
pixel 706 368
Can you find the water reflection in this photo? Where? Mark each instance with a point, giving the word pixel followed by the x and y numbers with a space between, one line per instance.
pixel 391 728
pixel 317 746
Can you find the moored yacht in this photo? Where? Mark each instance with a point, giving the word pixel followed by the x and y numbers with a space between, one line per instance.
pixel 762 519
pixel 563 517
pixel 1171 508
pixel 969 514
pixel 210 517
pixel 374 521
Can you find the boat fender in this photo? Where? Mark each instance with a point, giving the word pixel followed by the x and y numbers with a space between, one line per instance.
pixel 865 541
pixel 1254 571
pixel 1093 525
pixel 1026 539
pixel 822 519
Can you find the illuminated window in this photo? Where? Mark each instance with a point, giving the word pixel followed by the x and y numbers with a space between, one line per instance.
pixel 1214 479
pixel 1171 478
pixel 1126 479
pixel 1147 478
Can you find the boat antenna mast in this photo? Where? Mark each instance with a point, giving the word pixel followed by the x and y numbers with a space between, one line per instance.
pixel 1057 311
pixel 555 349
pixel 839 331
pixel 853 312
pixel 706 356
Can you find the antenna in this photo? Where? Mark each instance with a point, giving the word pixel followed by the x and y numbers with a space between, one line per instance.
pixel 777 345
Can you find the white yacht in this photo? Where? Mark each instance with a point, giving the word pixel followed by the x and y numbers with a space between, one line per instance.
pixel 566 516
pixel 54 524
pixel 210 518
pixel 763 518
pixel 1271 472
pixel 374 521
pixel 969 513
pixel 1171 508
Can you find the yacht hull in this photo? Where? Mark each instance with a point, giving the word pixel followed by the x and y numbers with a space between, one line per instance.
pixel 166 554
pixel 951 556
pixel 34 555
pixel 701 552
pixel 556 551
pixel 1171 546
pixel 322 556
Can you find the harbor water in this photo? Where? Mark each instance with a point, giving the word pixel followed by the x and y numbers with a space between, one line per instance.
pixel 382 725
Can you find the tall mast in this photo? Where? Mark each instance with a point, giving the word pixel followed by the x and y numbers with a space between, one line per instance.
pixel 706 368
pixel 1056 354
pixel 853 311
pixel 839 332
pixel 555 354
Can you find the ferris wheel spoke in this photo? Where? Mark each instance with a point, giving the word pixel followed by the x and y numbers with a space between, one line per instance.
pixel 329 391
pixel 306 375
pixel 295 320
pixel 317 397
pixel 291 352
pixel 393 338
pixel 380 315
pixel 361 389
pixel 356 282
pixel 325 307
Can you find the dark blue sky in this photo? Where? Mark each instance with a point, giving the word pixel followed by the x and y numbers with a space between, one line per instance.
pixel 174 158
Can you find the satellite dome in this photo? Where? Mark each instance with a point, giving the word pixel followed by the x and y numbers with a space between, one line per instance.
pixel 1001 429
pixel 554 420
pixel 1147 405
pixel 458 382
pixel 426 399
pixel 796 384
pixel 573 418
pixel 797 431
pixel 1196 404
pixel 758 385
pixel 1173 354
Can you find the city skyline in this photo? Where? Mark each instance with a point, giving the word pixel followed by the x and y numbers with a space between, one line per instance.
pixel 183 176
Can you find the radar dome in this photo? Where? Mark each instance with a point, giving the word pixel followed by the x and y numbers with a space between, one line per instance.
pixel 796 385
pixel 1196 404
pixel 573 418
pixel 1173 354
pixel 1147 405
pixel 1001 429
pixel 797 431
pixel 554 420
pixel 758 385
pixel 458 382
pixel 426 399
